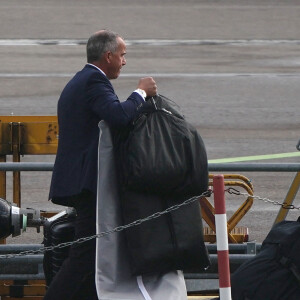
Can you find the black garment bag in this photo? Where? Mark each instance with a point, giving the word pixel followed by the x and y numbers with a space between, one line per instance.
pixel 161 161
pixel 161 153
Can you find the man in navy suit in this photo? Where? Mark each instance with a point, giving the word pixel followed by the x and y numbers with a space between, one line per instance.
pixel 87 99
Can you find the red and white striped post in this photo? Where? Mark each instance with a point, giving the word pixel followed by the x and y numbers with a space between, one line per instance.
pixel 222 237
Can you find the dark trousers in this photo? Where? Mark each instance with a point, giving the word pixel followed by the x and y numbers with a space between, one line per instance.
pixel 76 277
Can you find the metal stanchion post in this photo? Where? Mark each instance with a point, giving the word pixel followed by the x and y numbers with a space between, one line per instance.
pixel 222 237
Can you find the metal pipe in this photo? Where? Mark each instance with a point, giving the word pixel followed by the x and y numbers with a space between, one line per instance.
pixel 21 260
pixel 233 248
pixel 35 260
pixel 235 260
pixel 247 167
pixel 16 248
pixel 39 276
pixel 26 166
pixel 212 248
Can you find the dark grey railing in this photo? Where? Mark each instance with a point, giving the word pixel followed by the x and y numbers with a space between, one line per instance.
pixel 225 167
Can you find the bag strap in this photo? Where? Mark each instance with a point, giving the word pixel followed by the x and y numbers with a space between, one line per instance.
pixel 152 100
pixel 148 107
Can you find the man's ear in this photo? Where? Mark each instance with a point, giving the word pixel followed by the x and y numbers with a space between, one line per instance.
pixel 107 56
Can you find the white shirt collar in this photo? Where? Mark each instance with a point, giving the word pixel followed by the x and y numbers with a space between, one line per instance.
pixel 97 68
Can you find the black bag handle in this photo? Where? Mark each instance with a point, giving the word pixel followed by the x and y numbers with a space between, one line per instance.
pixel 152 100
pixel 148 107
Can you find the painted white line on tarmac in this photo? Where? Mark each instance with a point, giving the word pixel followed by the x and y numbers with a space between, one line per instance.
pixel 35 75
pixel 147 42
pixel 213 75
pixel 41 42
pixel 156 75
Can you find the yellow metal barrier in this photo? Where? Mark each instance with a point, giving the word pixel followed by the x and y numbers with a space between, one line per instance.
pixel 289 199
pixel 27 289
pixel 21 135
pixel 28 135
pixel 235 235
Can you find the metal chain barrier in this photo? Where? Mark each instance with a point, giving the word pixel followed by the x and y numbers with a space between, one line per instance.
pixel 140 221
pixel 116 229
pixel 283 205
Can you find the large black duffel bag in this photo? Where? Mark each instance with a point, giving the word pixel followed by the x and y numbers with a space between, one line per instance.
pixel 161 161
pixel 274 273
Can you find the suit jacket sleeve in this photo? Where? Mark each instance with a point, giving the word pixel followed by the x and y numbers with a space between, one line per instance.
pixel 106 105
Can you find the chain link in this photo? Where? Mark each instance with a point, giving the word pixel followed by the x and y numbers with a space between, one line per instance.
pixel 104 233
pixel 266 200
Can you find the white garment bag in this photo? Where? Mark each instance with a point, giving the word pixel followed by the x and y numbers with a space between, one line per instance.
pixel 113 278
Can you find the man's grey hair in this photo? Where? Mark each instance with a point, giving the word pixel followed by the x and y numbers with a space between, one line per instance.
pixel 99 43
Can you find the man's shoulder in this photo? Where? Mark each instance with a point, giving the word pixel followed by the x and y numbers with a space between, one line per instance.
pixel 84 78
pixel 90 73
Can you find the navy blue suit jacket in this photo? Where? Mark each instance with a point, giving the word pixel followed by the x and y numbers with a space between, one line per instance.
pixel 87 99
